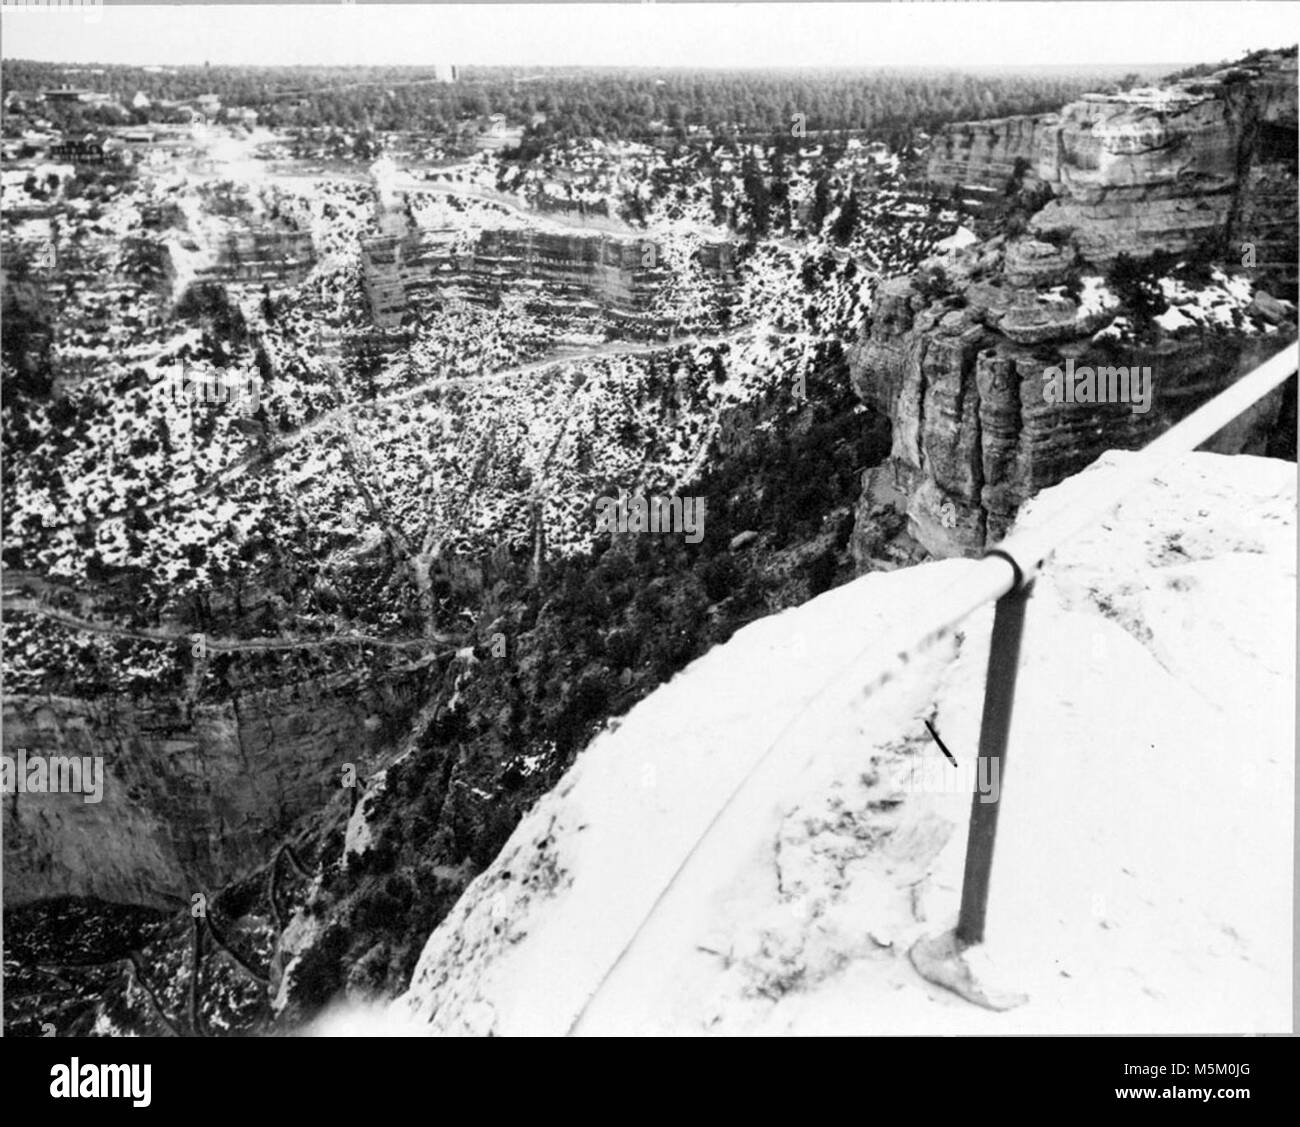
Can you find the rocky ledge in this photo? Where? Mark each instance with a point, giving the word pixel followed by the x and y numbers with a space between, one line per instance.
pixel 959 357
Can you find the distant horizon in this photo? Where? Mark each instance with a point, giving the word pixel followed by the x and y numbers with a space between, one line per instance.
pixel 849 68
pixel 768 36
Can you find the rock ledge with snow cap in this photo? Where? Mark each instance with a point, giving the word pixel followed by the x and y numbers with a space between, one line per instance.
pixel 1142 881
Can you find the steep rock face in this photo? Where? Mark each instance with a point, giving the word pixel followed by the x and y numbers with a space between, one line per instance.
pixel 1264 232
pixel 1164 139
pixel 1205 161
pixel 561 272
pixel 1205 166
pixel 1144 171
pixel 983 154
pixel 962 374
pixel 190 800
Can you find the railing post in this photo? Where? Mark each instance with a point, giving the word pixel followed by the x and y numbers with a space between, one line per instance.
pixel 995 725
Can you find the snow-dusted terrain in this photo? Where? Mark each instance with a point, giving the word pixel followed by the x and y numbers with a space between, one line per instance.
pixel 1142 879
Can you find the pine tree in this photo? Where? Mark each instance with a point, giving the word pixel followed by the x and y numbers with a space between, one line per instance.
pixel 821 204
pixel 756 192
pixel 846 222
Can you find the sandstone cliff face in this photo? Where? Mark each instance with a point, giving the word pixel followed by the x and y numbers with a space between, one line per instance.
pixel 1206 161
pixel 1145 171
pixel 190 801
pixel 562 272
pixel 1266 223
pixel 961 376
pixel 983 154
pixel 1206 165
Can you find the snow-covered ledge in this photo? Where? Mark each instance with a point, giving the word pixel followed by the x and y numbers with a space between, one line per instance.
pixel 1142 878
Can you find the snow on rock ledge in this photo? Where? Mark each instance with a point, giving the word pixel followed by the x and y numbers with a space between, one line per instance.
pixel 1142 880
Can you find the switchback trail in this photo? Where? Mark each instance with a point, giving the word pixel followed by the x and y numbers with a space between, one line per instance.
pixel 286 441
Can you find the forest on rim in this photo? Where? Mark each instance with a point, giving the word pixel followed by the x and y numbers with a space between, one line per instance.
pixel 640 103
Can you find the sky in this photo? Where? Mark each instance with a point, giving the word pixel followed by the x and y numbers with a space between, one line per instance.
pixel 659 34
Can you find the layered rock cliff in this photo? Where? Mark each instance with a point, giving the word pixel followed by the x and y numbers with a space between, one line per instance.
pixel 261 255
pixel 963 374
pixel 555 273
pixel 1204 161
pixel 958 354
pixel 985 155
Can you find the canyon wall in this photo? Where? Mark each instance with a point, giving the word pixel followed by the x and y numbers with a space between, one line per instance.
pixel 983 155
pixel 261 255
pixel 1204 162
pixel 957 354
pixel 556 273
pixel 961 376
pixel 191 799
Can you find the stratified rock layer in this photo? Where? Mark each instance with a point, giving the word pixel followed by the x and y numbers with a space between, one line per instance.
pixel 961 376
pixel 262 256
pixel 985 154
pixel 615 278
pixel 1205 167
pixel 1204 162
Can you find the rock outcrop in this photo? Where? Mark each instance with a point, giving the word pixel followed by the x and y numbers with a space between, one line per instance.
pixel 1204 162
pixel 985 155
pixel 961 372
pixel 616 277
pixel 261 255
pixel 957 355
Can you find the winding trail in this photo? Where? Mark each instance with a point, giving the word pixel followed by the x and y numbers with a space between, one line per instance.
pixel 285 442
